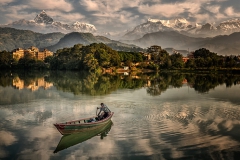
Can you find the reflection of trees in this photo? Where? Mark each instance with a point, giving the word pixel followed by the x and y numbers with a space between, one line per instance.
pixel 205 82
pixel 92 83
pixel 5 79
pixel 163 81
pixel 158 86
pixel 98 84
pixel 200 82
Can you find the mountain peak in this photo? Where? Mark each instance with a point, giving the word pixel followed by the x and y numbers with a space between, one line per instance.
pixel 83 27
pixel 43 18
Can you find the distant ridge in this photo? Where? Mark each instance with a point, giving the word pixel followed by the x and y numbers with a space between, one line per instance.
pixel 224 44
pixel 11 38
pixel 73 38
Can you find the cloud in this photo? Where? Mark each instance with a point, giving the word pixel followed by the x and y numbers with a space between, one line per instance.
pixel 173 9
pixel 119 14
pixel 214 8
pixel 90 5
pixel 231 12
pixel 4 2
pixel 65 17
pixel 7 138
pixel 51 5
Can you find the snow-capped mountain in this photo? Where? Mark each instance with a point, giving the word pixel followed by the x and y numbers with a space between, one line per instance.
pixel 175 24
pixel 155 25
pixel 43 18
pixel 185 27
pixel 45 24
pixel 230 26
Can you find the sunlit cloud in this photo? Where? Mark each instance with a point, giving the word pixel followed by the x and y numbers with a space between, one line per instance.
pixel 4 2
pixel 214 9
pixel 53 4
pixel 170 10
pixel 90 5
pixel 7 138
pixel 66 17
pixel 119 15
pixel 229 11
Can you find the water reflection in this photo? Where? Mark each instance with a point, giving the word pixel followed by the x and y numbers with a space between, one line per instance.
pixel 96 84
pixel 158 116
pixel 76 138
pixel 184 129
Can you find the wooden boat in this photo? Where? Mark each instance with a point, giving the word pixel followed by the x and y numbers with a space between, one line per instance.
pixel 76 138
pixel 82 124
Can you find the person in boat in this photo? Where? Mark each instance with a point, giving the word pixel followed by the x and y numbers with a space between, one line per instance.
pixel 104 111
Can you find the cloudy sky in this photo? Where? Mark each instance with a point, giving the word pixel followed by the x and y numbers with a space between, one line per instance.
pixel 119 15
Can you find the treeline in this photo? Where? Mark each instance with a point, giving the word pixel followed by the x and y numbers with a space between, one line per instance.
pixel 96 56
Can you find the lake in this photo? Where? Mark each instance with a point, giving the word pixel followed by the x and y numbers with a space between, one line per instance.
pixel 156 116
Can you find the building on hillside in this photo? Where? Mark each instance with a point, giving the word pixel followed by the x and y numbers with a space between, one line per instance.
pixel 185 59
pixel 18 53
pixel 154 49
pixel 34 51
pixel 151 50
pixel 147 55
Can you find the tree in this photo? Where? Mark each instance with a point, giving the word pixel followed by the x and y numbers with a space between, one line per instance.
pixel 90 63
pixel 190 63
pixel 5 59
pixel 177 61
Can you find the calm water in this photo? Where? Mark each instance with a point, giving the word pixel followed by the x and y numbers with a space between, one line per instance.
pixel 157 116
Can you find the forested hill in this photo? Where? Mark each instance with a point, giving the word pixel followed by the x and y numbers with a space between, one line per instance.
pixel 11 38
pixel 73 38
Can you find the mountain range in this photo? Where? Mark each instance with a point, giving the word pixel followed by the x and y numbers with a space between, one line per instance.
pixel 175 34
pixel 223 44
pixel 184 27
pixel 45 24
pixel 11 39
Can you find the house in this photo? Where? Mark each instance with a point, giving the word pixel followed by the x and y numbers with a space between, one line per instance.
pixel 185 59
pixel 18 53
pixel 34 51
pixel 154 49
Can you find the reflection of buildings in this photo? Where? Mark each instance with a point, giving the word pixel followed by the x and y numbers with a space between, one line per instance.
pixel 35 85
pixel 184 81
pixel 34 51
pixel 18 83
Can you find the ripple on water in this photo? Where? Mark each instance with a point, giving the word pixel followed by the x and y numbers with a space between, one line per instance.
pixel 182 130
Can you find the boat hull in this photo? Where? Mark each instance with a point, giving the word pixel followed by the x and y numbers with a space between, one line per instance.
pixel 81 125
pixel 79 137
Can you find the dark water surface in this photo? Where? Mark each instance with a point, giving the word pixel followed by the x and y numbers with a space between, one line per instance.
pixel 158 116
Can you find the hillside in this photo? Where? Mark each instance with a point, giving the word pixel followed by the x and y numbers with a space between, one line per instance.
pixel 11 38
pixel 73 38
pixel 225 45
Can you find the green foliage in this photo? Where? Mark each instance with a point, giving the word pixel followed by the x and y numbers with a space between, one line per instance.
pixel 5 60
pixel 130 56
pixel 28 62
pixel 11 38
pixel 176 60
pixel 90 63
pixel 67 58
